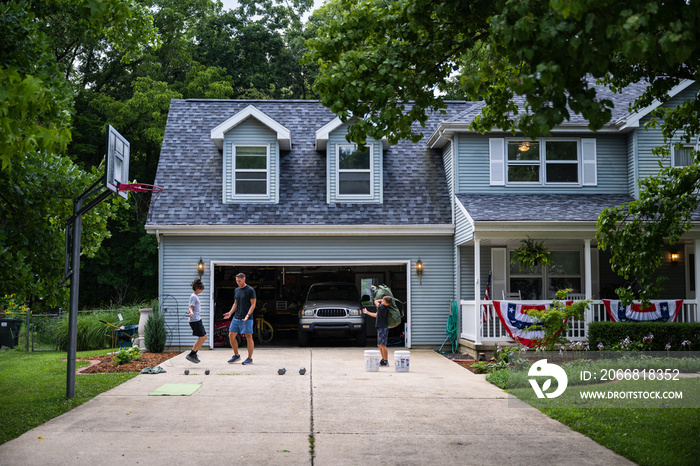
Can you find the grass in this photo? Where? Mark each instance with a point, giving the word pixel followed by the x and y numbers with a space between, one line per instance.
pixel 648 432
pixel 33 387
pixel 645 436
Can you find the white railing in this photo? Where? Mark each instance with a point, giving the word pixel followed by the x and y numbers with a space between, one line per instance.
pixel 493 331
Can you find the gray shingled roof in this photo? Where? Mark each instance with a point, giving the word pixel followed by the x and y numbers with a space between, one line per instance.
pixel 621 102
pixel 539 207
pixel 190 170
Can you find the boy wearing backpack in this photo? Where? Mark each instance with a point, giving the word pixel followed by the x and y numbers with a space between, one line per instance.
pixel 382 327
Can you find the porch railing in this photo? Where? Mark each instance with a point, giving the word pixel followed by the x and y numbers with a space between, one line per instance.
pixel 493 331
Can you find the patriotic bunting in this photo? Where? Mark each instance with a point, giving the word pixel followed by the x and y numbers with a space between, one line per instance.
pixel 515 319
pixel 661 311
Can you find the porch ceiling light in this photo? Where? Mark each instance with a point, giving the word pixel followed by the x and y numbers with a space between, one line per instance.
pixel 200 267
pixel 524 146
pixel 419 270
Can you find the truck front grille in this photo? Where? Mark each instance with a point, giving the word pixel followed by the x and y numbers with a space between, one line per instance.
pixel 330 313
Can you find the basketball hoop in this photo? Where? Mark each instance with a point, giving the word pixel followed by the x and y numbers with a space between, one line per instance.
pixel 140 188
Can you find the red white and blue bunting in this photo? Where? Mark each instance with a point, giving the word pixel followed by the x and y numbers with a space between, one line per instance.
pixel 514 317
pixel 661 311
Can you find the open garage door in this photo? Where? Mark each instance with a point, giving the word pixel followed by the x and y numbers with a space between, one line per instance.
pixel 282 289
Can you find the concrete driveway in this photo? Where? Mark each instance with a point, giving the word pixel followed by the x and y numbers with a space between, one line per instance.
pixel 335 414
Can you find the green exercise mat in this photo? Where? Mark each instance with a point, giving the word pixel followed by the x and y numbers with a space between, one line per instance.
pixel 176 389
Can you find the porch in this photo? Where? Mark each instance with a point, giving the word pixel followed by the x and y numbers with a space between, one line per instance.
pixel 481 336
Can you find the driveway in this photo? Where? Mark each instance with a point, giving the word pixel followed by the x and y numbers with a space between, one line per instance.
pixel 335 414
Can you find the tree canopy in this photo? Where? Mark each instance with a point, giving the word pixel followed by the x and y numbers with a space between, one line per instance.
pixel 70 67
pixel 387 61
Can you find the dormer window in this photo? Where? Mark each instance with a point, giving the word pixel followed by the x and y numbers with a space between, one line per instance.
pixel 250 143
pixel 354 176
pixel 354 171
pixel 251 170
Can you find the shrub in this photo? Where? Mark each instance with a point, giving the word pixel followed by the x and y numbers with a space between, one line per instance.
pixel 154 331
pixel 608 335
pixel 126 355
pixel 553 321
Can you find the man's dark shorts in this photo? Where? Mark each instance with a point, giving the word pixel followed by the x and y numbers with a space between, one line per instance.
pixel 198 329
pixel 382 336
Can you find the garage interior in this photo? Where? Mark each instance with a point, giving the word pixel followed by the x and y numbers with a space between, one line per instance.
pixel 281 291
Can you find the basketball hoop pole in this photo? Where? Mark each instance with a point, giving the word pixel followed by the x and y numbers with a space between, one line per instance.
pixel 73 272
pixel 116 172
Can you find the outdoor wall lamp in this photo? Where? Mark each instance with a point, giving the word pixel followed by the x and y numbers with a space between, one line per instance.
pixel 200 267
pixel 419 270
pixel 674 257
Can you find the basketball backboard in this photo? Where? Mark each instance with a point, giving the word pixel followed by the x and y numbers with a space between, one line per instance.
pixel 117 161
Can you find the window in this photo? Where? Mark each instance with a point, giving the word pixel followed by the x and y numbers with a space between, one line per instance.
pixel 251 167
pixel 683 155
pixel 523 161
pixel 543 283
pixel 561 159
pixel 354 171
pixel 548 161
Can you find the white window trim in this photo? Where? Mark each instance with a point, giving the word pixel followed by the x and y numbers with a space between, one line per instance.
pixel 543 163
pixel 234 171
pixel 338 170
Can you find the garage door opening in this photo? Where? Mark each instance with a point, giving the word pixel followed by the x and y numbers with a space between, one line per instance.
pixel 282 289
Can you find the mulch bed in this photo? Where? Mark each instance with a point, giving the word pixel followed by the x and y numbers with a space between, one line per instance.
pixel 104 364
pixel 463 360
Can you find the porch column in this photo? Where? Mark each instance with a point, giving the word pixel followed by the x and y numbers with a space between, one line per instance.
pixel 697 280
pixel 477 291
pixel 588 274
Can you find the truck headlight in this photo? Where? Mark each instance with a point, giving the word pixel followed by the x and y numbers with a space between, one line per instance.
pixel 354 312
pixel 307 312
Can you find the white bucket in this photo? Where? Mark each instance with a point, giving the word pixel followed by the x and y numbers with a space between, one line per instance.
pixel 402 360
pixel 372 358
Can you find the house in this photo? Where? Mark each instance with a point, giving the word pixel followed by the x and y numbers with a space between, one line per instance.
pixel 274 190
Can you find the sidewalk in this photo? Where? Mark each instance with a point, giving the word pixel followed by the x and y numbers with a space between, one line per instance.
pixel 438 413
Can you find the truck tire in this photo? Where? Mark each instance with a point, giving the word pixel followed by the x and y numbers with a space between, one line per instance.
pixel 304 339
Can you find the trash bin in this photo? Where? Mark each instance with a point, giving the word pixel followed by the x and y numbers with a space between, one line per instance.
pixel 9 332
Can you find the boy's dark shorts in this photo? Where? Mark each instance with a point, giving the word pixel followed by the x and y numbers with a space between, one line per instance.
pixel 198 329
pixel 382 336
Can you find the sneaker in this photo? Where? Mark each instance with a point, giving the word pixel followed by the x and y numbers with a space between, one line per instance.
pixel 248 361
pixel 383 362
pixel 192 357
pixel 235 358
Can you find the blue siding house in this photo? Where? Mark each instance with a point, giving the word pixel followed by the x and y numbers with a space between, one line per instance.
pixel 273 189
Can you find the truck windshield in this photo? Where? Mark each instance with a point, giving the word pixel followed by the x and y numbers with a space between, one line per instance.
pixel 333 292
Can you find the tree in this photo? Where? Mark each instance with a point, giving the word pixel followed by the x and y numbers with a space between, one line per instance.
pixel 378 55
pixel 35 201
pixel 39 49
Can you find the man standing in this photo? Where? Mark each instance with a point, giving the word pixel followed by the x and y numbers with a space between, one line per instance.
pixel 244 300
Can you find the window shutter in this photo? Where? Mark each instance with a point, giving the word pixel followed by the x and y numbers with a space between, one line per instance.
pixel 589 162
pixel 499 268
pixel 497 161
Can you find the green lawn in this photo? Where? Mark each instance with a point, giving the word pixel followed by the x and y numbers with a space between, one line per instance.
pixel 645 436
pixel 33 388
pixel 647 432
